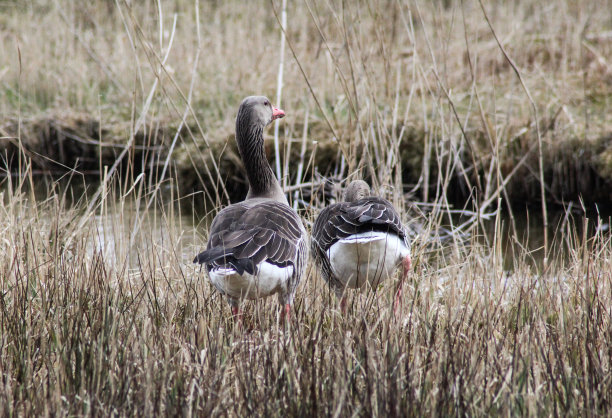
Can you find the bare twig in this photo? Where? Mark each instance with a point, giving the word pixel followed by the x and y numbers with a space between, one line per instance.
pixel 279 89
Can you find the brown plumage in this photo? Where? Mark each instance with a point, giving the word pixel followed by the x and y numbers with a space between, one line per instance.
pixel 257 247
pixel 359 224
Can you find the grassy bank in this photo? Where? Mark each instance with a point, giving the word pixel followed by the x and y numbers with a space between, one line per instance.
pixel 103 313
pixel 101 309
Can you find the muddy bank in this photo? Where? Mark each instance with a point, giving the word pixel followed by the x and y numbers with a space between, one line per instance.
pixel 78 144
pixel 573 168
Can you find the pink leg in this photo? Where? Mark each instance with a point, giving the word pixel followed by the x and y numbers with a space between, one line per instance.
pixel 237 315
pixel 286 313
pixel 343 304
pixel 406 266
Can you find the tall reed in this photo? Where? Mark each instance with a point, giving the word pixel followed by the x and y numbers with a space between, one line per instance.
pixel 102 311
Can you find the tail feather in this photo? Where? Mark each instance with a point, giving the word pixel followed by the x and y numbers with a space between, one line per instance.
pixel 210 255
pixel 223 257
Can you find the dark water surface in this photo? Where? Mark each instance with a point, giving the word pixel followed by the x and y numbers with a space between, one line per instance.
pixel 522 231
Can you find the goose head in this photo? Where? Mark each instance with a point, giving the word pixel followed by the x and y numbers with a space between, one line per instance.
pixel 357 189
pixel 257 111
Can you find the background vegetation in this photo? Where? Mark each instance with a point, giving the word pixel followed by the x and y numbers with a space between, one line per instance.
pixel 433 77
pixel 117 143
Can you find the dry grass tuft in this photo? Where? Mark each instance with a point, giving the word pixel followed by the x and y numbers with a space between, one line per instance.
pixel 91 324
pixel 101 310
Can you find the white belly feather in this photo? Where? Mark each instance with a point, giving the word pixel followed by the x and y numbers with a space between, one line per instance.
pixel 370 257
pixel 270 279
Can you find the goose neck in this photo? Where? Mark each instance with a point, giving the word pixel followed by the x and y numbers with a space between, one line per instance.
pixel 261 178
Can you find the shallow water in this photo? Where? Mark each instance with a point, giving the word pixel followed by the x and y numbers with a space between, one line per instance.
pixel 126 229
pixel 523 233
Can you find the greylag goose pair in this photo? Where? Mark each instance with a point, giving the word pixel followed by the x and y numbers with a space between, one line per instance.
pixel 258 247
pixel 360 242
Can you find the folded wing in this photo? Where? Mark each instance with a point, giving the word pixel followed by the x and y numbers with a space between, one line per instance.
pixel 244 235
pixel 342 220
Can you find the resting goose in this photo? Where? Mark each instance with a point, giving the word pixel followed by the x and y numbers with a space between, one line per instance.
pixel 360 242
pixel 257 247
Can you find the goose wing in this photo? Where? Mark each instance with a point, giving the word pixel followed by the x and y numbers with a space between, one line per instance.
pixel 342 220
pixel 246 234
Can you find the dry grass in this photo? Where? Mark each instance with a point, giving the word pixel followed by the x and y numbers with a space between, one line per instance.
pixel 101 310
pixel 92 325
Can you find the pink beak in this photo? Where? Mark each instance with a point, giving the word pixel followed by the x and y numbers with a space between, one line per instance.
pixel 277 113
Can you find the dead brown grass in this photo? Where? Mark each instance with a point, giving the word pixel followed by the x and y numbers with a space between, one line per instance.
pixel 107 319
pixel 101 310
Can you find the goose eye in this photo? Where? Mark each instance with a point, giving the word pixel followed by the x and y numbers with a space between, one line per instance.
pixel 266 103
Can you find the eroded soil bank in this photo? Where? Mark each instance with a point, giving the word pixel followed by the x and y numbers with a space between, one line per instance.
pixel 574 169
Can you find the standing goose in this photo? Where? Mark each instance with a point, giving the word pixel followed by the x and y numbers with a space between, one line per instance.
pixel 257 247
pixel 360 241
